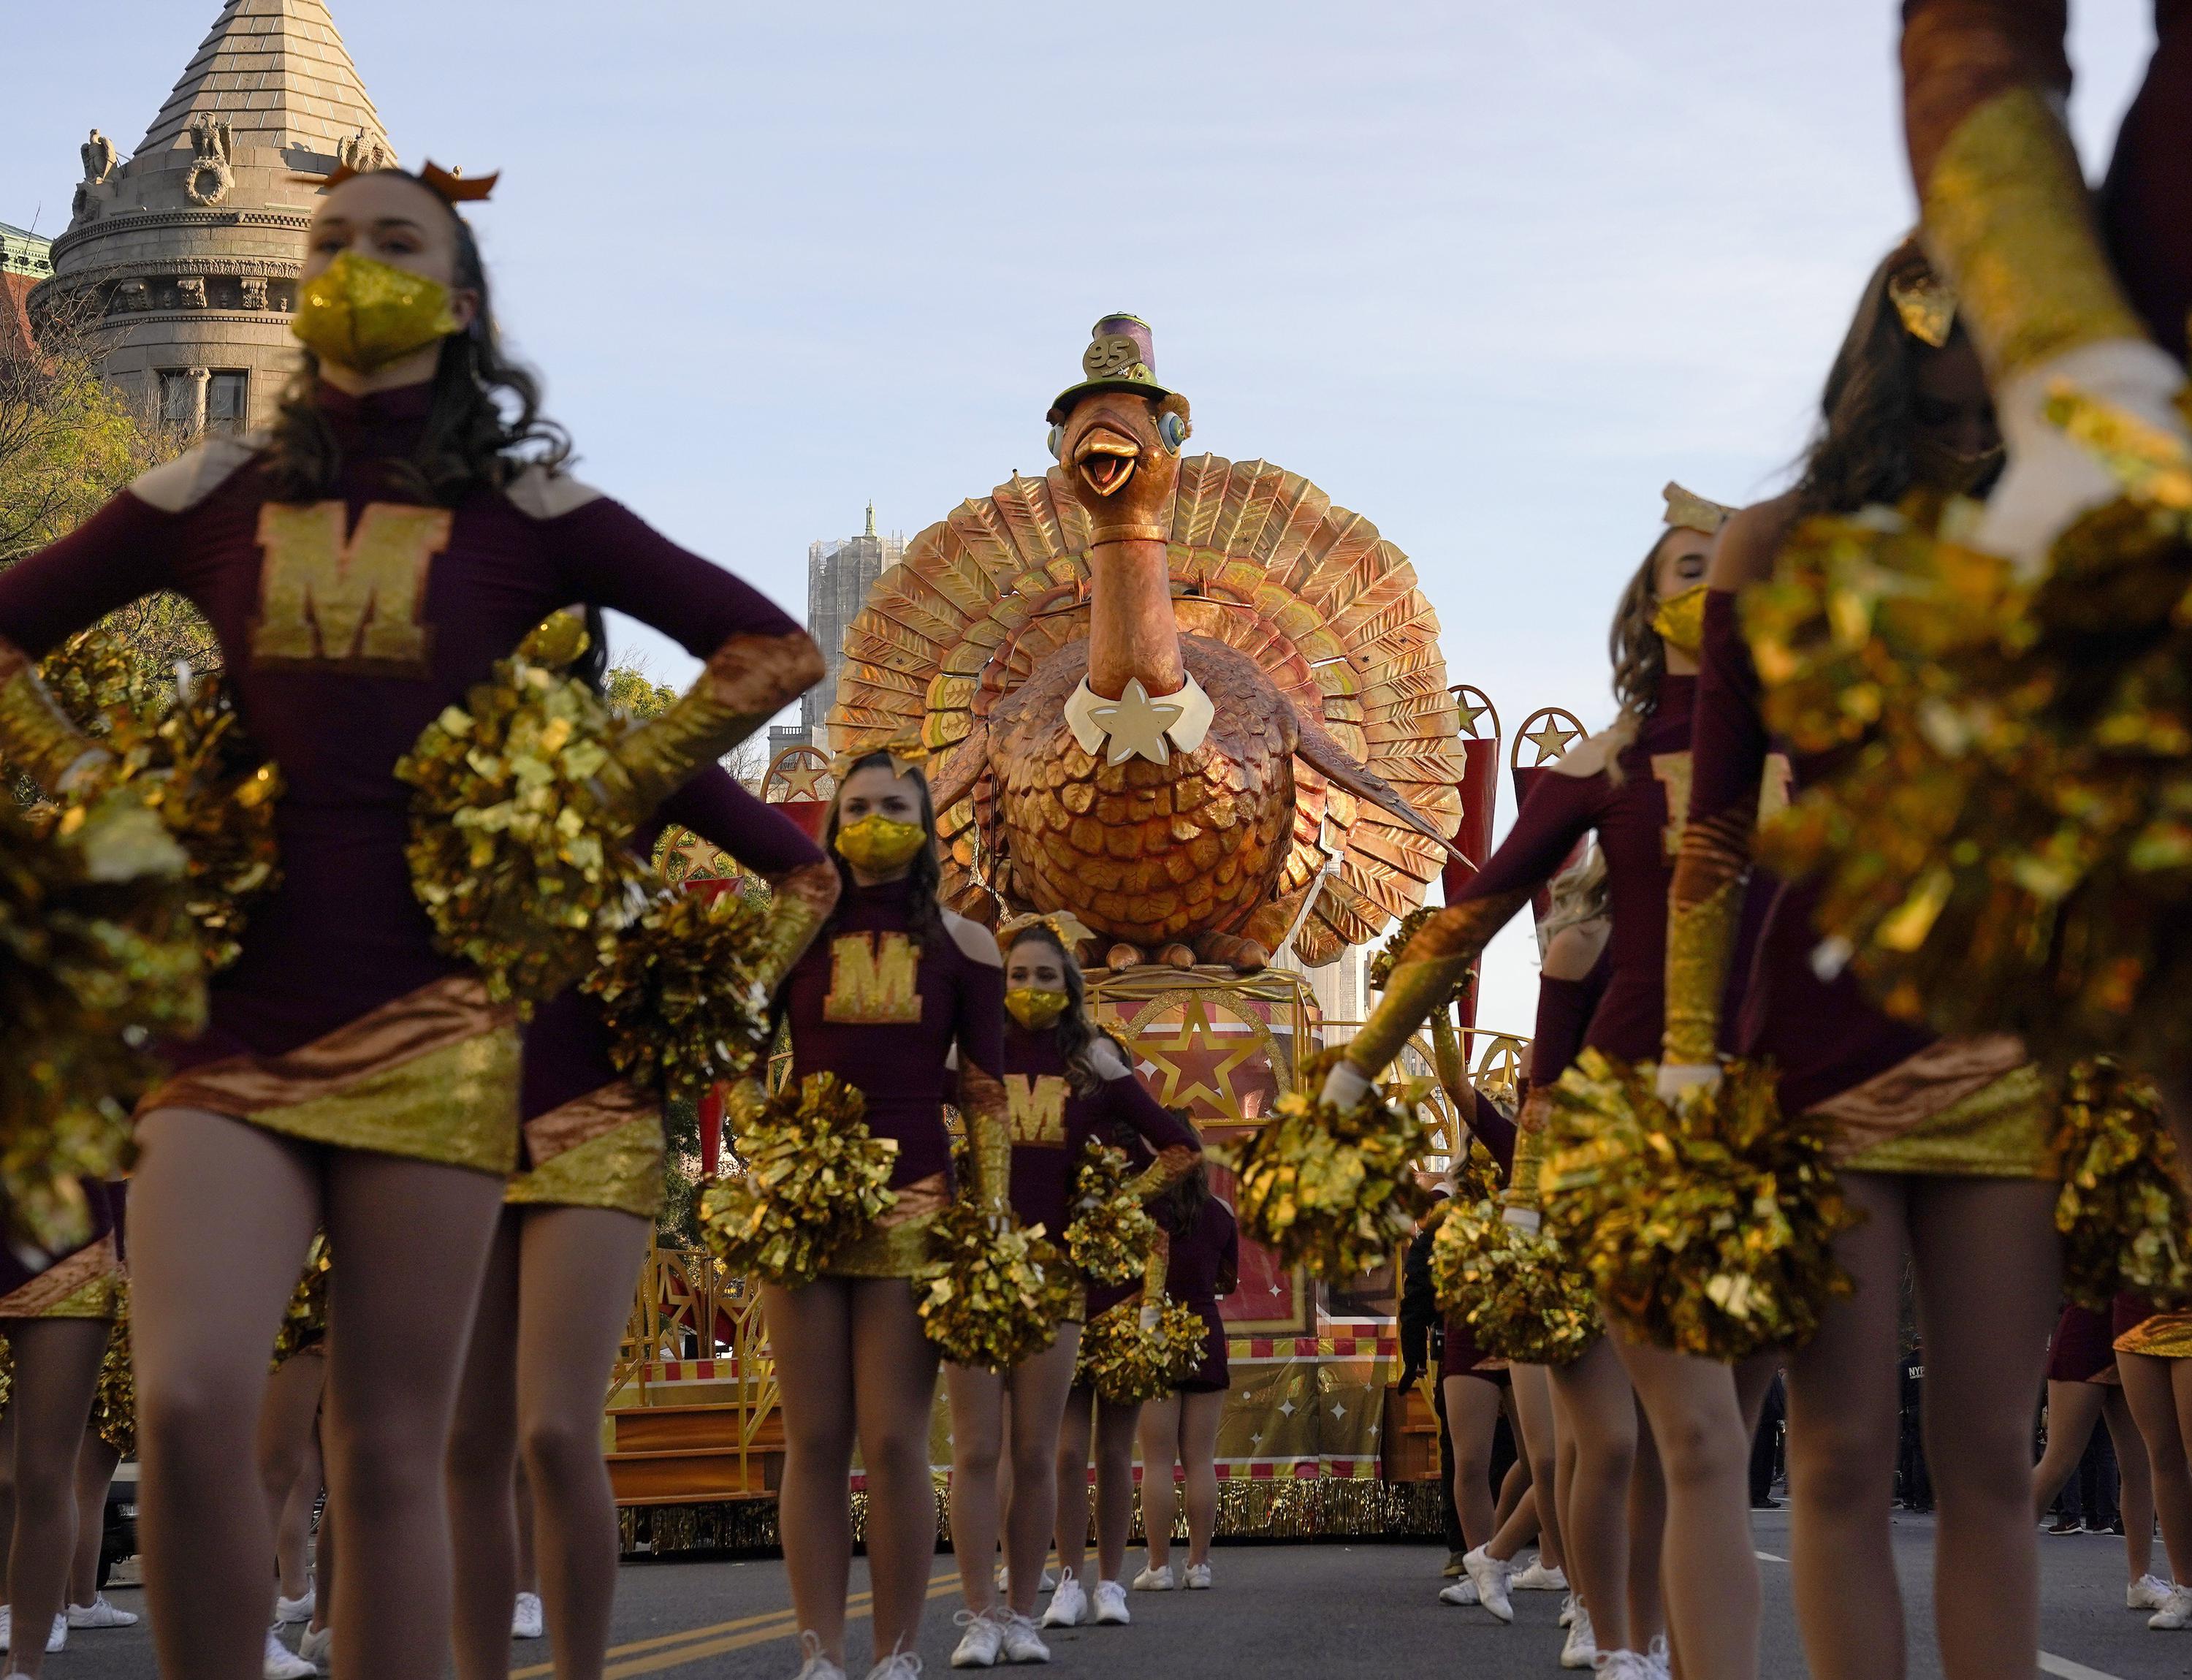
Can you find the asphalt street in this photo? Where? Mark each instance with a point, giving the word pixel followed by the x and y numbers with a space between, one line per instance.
pixel 1275 1612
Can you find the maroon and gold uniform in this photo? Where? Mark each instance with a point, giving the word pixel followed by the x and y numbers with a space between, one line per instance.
pixel 1203 1266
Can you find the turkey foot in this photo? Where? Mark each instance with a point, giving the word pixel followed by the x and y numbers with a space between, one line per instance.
pixel 1122 956
pixel 1230 950
pixel 1176 956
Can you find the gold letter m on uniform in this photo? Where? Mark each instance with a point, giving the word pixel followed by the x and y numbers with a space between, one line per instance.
pixel 331 597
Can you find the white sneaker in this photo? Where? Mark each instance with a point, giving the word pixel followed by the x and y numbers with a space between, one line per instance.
pixel 1198 1577
pixel 1658 1658
pixel 1490 1573
pixel 1538 1578
pixel 288 1610
pixel 283 1664
pixel 317 1646
pixel 1624 1666
pixel 5 1614
pixel 1462 1591
pixel 816 1666
pixel 978 1645
pixel 1068 1605
pixel 1568 1607
pixel 99 1613
pixel 1004 1579
pixel 1111 1605
pixel 898 1666
pixel 57 1636
pixel 1021 1643
pixel 2148 1592
pixel 1581 1650
pixel 2175 1614
pixel 1154 1581
pixel 525 1616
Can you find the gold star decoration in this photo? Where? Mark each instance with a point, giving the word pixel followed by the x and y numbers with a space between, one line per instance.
pixel 804 782
pixel 1550 739
pixel 1468 714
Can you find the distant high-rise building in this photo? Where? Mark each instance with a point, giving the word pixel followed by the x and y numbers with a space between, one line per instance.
pixel 25 260
pixel 839 575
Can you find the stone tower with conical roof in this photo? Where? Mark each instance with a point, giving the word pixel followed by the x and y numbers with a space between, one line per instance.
pixel 184 257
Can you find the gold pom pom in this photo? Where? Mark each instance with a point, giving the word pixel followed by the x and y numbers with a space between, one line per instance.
pixel 98 959
pixel 1380 968
pixel 114 1401
pixel 994 1291
pixel 1518 1290
pixel 1136 1351
pixel 815 1179
pixel 681 993
pixel 2125 1211
pixel 1707 1227
pixel 1336 1192
pixel 1111 1233
pixel 516 851
pixel 305 1320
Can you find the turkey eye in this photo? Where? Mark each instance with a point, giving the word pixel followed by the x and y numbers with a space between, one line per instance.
pixel 1174 431
pixel 1057 438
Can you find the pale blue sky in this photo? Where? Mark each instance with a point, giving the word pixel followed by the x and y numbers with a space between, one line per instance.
pixel 1489 271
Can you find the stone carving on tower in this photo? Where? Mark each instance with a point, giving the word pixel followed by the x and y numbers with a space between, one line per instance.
pixel 185 253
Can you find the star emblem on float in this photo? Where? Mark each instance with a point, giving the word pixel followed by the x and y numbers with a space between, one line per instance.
pixel 1138 724
pixel 1550 739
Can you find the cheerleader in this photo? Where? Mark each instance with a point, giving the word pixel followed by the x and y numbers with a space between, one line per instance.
pixel 1943 1145
pixel 558 1289
pixel 1203 1266
pixel 363 565
pixel 892 988
pixel 2083 1387
pixel 1067 1084
pixel 111 1438
pixel 2154 1356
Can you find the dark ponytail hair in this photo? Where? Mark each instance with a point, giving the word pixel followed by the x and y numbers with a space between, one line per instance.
pixel 483 425
pixel 926 875
pixel 1179 1206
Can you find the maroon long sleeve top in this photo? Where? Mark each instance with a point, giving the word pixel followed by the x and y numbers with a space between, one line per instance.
pixel 346 626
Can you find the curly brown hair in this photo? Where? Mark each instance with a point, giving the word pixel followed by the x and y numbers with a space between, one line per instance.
pixel 1638 652
pixel 483 427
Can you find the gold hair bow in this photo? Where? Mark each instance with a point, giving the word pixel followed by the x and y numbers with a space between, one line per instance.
pixel 1926 302
pixel 1694 512
pixel 1063 925
pixel 905 755
pixel 451 185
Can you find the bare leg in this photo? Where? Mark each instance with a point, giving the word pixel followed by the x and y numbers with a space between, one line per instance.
pixel 977 1423
pixel 2148 1387
pixel 57 1370
pixel 323 1569
pixel 287 1421
pixel 219 1216
pixel 2136 1499
pixel 893 1394
pixel 1708 1571
pixel 414 1239
pixel 7 1486
pixel 1647 1529
pixel 1039 1387
pixel 481 1465
pixel 2073 1409
pixel 1514 1486
pixel 1534 1417
pixel 1159 1433
pixel 1199 1416
pixel 1518 1530
pixel 94 1470
pixel 1989 1274
pixel 528 1555
pixel 1070 1528
pixel 810 1333
pixel 1472 1414
pixel 1595 1401
pixel 1842 1429
pixel 1116 1428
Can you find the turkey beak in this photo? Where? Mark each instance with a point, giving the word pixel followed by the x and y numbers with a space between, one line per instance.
pixel 1106 460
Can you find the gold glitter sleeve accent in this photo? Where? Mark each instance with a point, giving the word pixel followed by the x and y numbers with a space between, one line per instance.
pixel 802 901
pixel 36 735
pixel 2008 221
pixel 1529 1148
pixel 1174 1163
pixel 746 682
pixel 1426 973
pixel 1703 905
pixel 982 1101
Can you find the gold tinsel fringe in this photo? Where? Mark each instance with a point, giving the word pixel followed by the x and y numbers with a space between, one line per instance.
pixel 2125 1212
pixel 685 1006
pixel 1335 1193
pixel 1131 1353
pixel 1111 1233
pixel 114 1401
pixel 516 851
pixel 994 1292
pixel 1707 1227
pixel 305 1320
pixel 815 1179
pixel 1519 1291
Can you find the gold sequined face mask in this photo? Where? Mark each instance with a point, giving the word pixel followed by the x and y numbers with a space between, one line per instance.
pixel 1681 619
pixel 1035 1009
pixel 879 845
pixel 362 315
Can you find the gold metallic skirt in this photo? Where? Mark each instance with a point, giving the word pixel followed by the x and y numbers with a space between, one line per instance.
pixel 1960 1108
pixel 604 1150
pixel 2166 1335
pixel 86 1284
pixel 897 1244
pixel 432 1075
